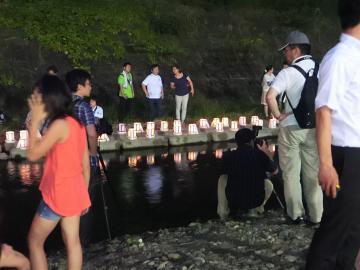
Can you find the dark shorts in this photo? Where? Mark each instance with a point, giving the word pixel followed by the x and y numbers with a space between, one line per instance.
pixel 46 212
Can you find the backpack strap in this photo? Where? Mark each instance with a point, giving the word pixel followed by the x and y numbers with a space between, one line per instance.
pixel 300 70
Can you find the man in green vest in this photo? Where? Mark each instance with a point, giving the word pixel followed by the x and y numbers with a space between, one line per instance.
pixel 126 92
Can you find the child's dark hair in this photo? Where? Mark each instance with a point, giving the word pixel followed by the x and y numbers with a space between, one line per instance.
pixel 153 67
pixel 55 96
pixel 126 64
pixel 53 69
pixel 268 68
pixel 349 13
pixel 177 66
pixel 75 77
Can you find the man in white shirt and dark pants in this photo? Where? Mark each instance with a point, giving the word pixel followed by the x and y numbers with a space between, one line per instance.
pixel 153 89
pixel 297 147
pixel 337 241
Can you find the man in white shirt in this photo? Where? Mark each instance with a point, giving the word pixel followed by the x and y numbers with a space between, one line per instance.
pixel 97 110
pixel 153 89
pixel 297 146
pixel 337 241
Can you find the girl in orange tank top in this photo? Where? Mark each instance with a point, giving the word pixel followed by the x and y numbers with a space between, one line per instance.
pixel 64 184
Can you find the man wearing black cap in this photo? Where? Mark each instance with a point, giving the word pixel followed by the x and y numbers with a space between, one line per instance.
pixel 297 146
pixel 243 184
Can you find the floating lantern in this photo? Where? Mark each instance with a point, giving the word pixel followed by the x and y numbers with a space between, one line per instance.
pixel 254 120
pixel 192 156
pixel 272 123
pixel 260 123
pixel 219 127
pixel 225 121
pixel 177 158
pixel 122 128
pixel 204 123
pixel 150 160
pixel 132 134
pixel 193 129
pixel 150 133
pixel 164 126
pixel 164 155
pixel 138 127
pixel 10 137
pixel 103 138
pixel 234 126
pixel 215 121
pixel 242 121
pixel 132 161
pixel 218 153
pixel 150 125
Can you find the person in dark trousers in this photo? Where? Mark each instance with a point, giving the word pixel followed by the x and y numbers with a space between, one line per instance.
pixel 337 241
pixel 154 92
pixel 243 184
pixel 126 93
pixel 79 82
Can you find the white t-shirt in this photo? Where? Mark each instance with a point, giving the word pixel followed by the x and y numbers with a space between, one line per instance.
pixel 267 81
pixel 292 81
pixel 154 85
pixel 98 112
pixel 339 90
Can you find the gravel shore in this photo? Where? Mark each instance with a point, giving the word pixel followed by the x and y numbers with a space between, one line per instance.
pixel 248 244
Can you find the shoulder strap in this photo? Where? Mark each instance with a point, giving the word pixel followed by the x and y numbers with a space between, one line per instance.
pixel 300 70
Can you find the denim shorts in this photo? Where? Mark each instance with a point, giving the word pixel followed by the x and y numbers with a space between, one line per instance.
pixel 46 212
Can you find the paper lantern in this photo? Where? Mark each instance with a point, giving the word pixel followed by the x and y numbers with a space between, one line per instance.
pixel 24 134
pixel 177 127
pixel 150 125
pixel 234 126
pixel 22 144
pixel 225 121
pixel 204 123
pixel 103 138
pixel 138 127
pixel 122 128
pixel 219 127
pixel 164 155
pixel 192 156
pixel 132 134
pixel 132 161
pixel 177 123
pixel 150 160
pixel 218 153
pixel 150 133
pixel 272 123
pixel 215 121
pixel 242 121
pixel 192 129
pixel 254 120
pixel 10 137
pixel 260 123
pixel 177 158
pixel 164 126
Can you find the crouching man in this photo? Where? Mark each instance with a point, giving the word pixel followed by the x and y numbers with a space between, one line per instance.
pixel 243 184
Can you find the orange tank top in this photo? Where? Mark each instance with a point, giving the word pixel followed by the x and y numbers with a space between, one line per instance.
pixel 62 185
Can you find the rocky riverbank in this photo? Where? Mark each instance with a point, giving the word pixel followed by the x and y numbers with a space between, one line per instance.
pixel 246 244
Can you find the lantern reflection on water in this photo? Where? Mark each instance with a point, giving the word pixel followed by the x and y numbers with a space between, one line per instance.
pixel 225 122
pixel 218 153
pixel 234 125
pixel 214 122
pixel 242 121
pixel 177 158
pixel 132 161
pixel 219 127
pixel 150 160
pixel 25 174
pixel 138 127
pixel 204 123
pixel 10 137
pixel 193 129
pixel 192 156
pixel 164 126
pixel 122 128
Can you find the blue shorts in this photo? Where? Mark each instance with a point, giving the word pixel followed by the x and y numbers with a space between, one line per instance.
pixel 46 212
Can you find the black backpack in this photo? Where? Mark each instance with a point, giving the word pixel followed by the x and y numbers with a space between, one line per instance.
pixel 305 111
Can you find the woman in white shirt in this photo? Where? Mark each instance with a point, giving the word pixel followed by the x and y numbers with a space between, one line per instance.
pixel 266 83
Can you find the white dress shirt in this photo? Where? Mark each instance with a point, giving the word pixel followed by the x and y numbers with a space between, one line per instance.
pixel 339 90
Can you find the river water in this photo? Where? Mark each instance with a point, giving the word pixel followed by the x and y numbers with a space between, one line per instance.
pixel 144 190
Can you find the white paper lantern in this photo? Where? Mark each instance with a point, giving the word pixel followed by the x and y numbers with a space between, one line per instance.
pixel 234 126
pixel 177 130
pixel 215 121
pixel 192 129
pixel 177 123
pixel 10 137
pixel 150 160
pixel 150 125
pixel 122 128
pixel 22 144
pixel 132 134
pixel 177 158
pixel 192 156
pixel 132 161
pixel 219 127
pixel 225 122
pixel 150 133
pixel 138 127
pixel 242 121
pixel 24 135
pixel 164 126
pixel 254 120
pixel 218 153
pixel 204 123
pixel 272 123
pixel 260 123
pixel 104 138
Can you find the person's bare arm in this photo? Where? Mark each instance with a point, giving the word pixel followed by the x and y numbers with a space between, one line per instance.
pixel 86 166
pixel 328 177
pixel 144 88
pixel 273 105
pixel 172 85
pixel 191 85
pixel 92 139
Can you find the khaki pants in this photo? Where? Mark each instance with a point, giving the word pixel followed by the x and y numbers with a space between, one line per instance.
pixel 181 105
pixel 223 208
pixel 298 155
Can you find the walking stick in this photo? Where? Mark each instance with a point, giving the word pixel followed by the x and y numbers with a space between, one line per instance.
pixel 278 199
